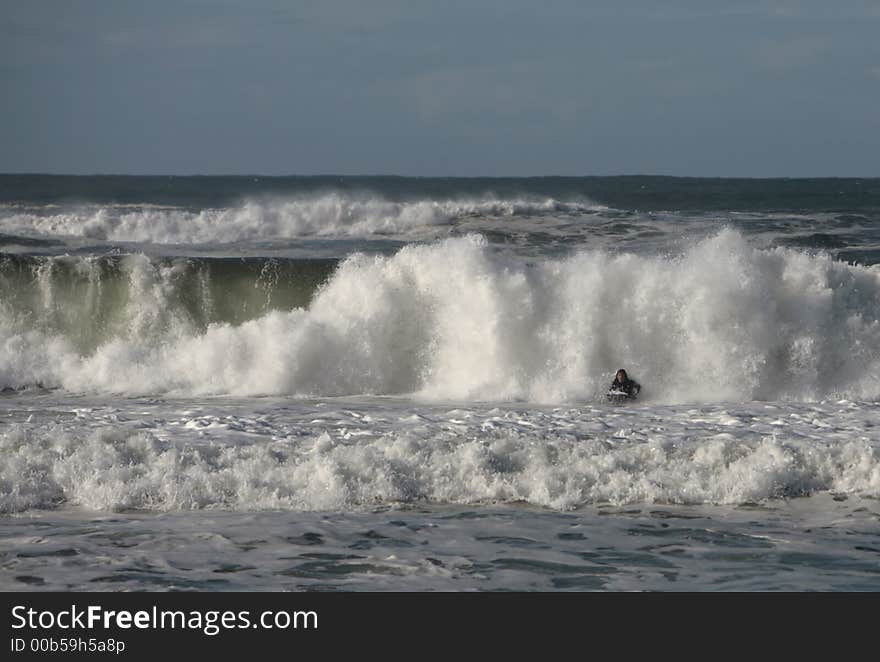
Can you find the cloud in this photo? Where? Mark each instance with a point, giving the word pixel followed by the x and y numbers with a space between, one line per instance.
pixel 786 55
pixel 489 94
pixel 150 37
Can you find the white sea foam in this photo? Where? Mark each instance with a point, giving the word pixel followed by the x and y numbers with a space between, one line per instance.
pixel 340 455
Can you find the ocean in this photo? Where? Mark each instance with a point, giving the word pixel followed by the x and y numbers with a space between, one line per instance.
pixel 398 384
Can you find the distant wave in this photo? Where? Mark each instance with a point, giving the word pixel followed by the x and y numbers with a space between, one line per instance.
pixel 452 320
pixel 328 215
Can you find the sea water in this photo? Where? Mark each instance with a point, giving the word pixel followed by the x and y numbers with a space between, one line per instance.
pixel 398 384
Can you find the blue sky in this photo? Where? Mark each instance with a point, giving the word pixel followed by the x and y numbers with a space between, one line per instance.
pixel 751 88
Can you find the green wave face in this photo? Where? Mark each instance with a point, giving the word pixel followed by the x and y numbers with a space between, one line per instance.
pixel 92 300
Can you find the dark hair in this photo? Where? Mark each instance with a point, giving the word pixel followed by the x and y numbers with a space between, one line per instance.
pixel 622 371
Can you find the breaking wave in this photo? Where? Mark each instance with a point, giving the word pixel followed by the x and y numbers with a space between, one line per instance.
pixel 454 321
pixel 113 468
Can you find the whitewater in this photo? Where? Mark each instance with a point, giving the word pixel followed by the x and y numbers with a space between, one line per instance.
pixel 401 386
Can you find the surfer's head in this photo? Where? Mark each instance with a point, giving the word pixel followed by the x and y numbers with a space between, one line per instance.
pixel 621 375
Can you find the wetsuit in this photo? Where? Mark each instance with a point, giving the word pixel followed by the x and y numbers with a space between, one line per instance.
pixel 628 386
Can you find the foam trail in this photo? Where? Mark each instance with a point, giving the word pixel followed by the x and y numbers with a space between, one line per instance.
pixel 451 320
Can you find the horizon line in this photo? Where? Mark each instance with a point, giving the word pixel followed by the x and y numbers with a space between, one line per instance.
pixel 399 176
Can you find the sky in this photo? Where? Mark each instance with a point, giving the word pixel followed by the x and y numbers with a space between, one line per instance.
pixel 751 88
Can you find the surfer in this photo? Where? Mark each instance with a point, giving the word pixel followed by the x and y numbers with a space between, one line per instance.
pixel 624 386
